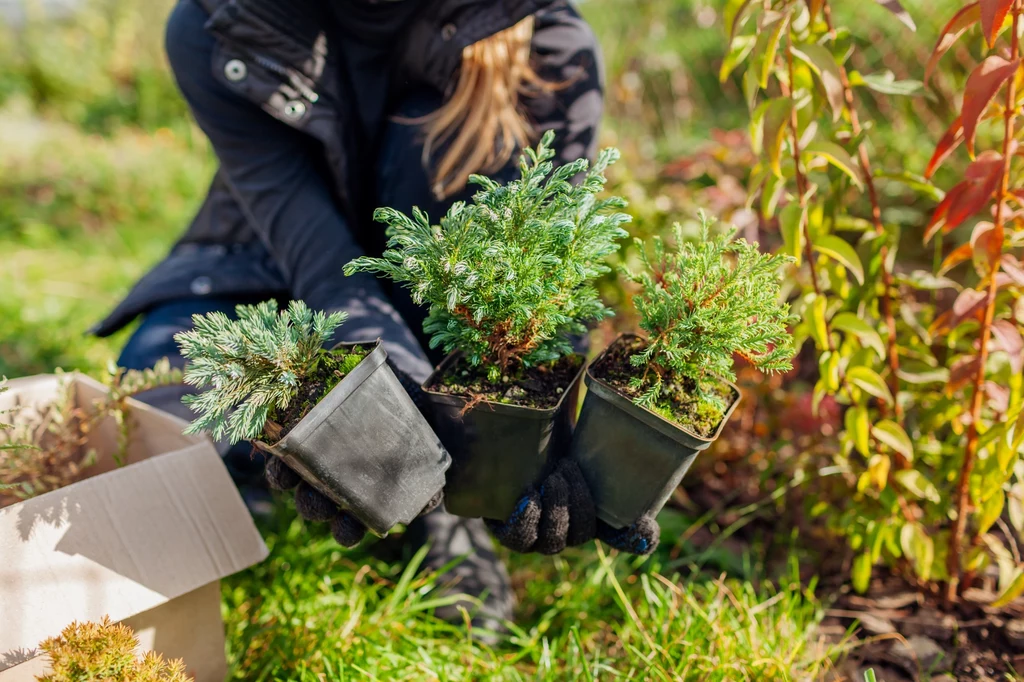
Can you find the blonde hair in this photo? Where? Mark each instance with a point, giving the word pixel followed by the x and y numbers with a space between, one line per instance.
pixel 481 121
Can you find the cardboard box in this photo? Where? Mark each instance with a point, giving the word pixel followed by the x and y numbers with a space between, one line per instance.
pixel 146 544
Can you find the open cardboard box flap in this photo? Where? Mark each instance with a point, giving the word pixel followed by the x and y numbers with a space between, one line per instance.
pixel 124 540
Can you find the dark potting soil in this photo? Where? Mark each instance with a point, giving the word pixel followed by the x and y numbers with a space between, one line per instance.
pixel 334 366
pixel 677 403
pixel 539 387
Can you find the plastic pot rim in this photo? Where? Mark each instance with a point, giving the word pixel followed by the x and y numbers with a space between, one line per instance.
pixel 344 388
pixel 523 411
pixel 669 428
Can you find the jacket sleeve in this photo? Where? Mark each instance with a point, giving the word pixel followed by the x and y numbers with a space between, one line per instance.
pixel 566 54
pixel 271 171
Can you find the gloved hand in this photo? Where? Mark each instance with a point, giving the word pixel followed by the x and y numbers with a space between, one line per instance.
pixel 561 513
pixel 313 505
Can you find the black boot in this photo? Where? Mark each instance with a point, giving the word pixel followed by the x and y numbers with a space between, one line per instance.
pixel 481 574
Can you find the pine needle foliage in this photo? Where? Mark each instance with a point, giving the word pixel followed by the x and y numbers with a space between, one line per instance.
pixel 703 302
pixel 251 366
pixel 90 652
pixel 508 277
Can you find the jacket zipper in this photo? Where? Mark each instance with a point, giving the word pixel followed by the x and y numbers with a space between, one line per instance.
pixel 289 75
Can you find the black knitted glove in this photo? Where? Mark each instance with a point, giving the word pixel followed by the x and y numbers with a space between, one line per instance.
pixel 313 505
pixel 561 513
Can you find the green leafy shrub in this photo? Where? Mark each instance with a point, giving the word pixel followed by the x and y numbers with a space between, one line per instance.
pixel 815 177
pixel 701 304
pixel 253 367
pixel 927 367
pixel 99 68
pixel 509 277
pixel 89 652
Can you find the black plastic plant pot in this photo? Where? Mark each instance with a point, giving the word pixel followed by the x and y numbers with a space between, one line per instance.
pixel 632 458
pixel 498 450
pixel 367 447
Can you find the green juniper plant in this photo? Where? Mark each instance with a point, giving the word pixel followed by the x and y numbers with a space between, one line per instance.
pixel 508 277
pixel 701 303
pixel 253 367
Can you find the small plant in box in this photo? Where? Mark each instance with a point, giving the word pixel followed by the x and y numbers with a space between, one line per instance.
pixel 45 447
pixel 654 402
pixel 508 279
pixel 340 418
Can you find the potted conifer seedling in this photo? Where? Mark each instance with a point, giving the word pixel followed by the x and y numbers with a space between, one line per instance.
pixel 340 418
pixel 653 403
pixel 508 279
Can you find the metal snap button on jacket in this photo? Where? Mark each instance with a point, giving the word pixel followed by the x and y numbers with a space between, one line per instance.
pixel 201 286
pixel 235 70
pixel 448 31
pixel 294 109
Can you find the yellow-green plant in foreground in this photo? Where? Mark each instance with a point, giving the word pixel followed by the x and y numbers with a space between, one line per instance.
pixel 105 651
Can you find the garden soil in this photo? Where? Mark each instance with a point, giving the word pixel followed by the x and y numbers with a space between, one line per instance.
pixel 908 634
pixel 898 628
pixel 539 387
pixel 677 403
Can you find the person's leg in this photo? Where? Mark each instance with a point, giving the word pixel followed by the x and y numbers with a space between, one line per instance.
pixel 402 183
pixel 153 341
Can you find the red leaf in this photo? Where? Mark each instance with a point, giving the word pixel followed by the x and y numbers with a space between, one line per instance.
pixel 949 142
pixel 1007 338
pixel 993 12
pixel 1012 268
pixel 984 243
pixel 956 257
pixel 968 305
pixel 968 197
pixel 982 85
pixel 962 372
pixel 967 203
pixel 940 325
pixel 988 165
pixel 941 211
pixel 949 34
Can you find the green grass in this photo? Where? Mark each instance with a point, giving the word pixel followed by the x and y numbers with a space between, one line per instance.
pixel 313 612
pixel 81 218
